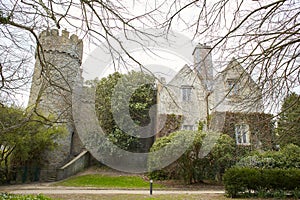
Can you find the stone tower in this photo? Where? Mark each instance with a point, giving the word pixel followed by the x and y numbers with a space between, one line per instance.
pixel 58 61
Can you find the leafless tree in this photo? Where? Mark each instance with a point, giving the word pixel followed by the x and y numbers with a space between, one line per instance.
pixel 263 35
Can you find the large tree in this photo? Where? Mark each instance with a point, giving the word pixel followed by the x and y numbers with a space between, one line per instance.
pixel 23 146
pixel 289 120
pixel 139 104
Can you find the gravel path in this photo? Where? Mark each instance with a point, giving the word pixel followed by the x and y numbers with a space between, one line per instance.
pixel 40 189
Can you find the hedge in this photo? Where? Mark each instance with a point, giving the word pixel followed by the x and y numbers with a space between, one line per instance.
pixel 252 181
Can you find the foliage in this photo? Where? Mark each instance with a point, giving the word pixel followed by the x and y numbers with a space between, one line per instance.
pixel 260 126
pixel 207 157
pixel 238 181
pixel 23 145
pixel 105 181
pixel 201 125
pixel 140 103
pixel 287 157
pixel 289 121
pixel 171 123
pixel 223 155
pixel 104 90
pixel 6 196
pixel 176 144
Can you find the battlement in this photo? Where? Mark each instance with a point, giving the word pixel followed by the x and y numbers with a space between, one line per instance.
pixel 52 41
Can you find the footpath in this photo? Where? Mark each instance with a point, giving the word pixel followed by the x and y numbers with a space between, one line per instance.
pixel 44 188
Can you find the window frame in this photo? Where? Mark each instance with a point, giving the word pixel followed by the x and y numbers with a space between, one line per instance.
pixel 242 134
pixel 233 87
pixel 186 93
pixel 188 127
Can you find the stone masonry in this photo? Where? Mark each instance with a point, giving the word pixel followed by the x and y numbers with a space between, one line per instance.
pixel 60 57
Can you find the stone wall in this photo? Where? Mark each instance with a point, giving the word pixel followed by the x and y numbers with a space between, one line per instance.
pixel 170 100
pixel 247 97
pixel 170 124
pixel 76 165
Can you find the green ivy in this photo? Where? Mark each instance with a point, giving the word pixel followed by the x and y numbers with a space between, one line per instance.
pixel 261 127
pixel 172 123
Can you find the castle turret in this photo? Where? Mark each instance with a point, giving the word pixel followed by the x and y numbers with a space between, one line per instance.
pixel 58 60
pixel 203 64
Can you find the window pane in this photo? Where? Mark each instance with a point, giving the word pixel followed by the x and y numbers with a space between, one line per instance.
pixel 186 93
pixel 188 127
pixel 242 134
pixel 232 87
pixel 245 138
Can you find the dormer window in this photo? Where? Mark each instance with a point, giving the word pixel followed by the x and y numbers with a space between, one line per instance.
pixel 232 87
pixel 186 93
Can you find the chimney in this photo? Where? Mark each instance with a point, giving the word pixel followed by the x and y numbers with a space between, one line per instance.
pixel 203 64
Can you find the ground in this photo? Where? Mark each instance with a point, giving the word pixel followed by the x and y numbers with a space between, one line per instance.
pixel 174 190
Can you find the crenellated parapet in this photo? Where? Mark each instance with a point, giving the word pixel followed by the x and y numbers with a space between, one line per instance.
pixel 54 41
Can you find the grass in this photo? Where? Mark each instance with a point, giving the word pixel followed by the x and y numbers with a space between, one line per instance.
pixel 141 197
pixel 148 197
pixel 103 181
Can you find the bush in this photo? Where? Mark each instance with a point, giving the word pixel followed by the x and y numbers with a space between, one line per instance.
pixel 6 196
pixel 159 175
pixel 286 158
pixel 206 158
pixel 172 144
pixel 261 182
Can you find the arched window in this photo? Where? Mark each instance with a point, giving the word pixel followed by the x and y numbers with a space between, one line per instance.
pixel 242 134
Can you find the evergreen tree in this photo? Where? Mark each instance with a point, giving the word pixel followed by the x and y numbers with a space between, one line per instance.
pixel 23 141
pixel 289 121
pixel 139 105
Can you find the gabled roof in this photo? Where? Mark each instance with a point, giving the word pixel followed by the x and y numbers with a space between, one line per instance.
pixel 185 69
pixel 236 66
pixel 233 64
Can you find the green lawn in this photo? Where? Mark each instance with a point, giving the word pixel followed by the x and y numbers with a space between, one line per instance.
pixel 141 197
pixel 102 181
pixel 148 197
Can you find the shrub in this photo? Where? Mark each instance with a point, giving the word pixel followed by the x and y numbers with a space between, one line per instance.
pixel 286 158
pixel 206 158
pixel 262 182
pixel 169 144
pixel 6 196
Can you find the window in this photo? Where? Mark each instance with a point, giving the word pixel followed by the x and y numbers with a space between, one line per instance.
pixel 242 134
pixel 188 127
pixel 186 92
pixel 232 87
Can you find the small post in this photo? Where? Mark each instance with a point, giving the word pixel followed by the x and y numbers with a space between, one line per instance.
pixel 151 186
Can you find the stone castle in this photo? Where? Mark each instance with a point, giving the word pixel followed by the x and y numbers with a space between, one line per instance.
pixel 194 94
